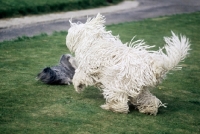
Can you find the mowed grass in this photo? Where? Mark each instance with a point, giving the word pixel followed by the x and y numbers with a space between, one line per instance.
pixel 29 106
pixel 13 8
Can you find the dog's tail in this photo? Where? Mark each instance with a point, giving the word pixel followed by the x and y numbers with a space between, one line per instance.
pixel 176 48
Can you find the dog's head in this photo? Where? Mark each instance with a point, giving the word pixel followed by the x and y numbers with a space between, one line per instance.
pixel 79 32
pixel 47 75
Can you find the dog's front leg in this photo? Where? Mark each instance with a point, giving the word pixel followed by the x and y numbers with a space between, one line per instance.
pixel 81 80
pixel 147 102
pixel 78 82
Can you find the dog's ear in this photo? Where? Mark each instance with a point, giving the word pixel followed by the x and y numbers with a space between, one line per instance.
pixel 65 61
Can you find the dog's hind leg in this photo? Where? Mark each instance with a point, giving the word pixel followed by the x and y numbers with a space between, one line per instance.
pixel 146 102
pixel 116 102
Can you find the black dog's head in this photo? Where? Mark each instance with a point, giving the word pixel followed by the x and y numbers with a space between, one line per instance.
pixel 60 74
pixel 47 75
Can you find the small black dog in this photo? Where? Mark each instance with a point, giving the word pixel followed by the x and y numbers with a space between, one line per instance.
pixel 60 74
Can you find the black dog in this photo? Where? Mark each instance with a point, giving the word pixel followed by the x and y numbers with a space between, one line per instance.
pixel 60 74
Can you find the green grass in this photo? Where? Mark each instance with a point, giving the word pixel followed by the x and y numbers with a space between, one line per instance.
pixel 13 8
pixel 29 106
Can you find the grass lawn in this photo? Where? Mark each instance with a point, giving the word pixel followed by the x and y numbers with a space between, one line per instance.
pixel 12 8
pixel 29 106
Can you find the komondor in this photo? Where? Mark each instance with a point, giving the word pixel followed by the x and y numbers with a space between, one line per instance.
pixel 124 72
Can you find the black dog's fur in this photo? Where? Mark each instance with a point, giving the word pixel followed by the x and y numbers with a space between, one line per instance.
pixel 60 74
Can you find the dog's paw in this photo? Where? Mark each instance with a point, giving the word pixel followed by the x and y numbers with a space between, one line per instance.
pixel 116 107
pixel 105 107
pixel 79 87
pixel 67 81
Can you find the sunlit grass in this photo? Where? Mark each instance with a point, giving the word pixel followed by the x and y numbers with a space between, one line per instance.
pixel 29 106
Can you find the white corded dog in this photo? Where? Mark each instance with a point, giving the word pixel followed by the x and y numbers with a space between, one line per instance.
pixel 124 72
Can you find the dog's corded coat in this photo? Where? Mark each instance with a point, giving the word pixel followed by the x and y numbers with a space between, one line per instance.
pixel 124 72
